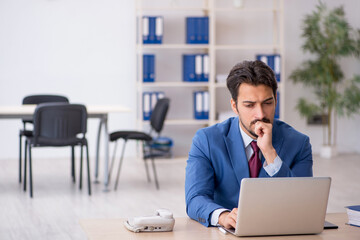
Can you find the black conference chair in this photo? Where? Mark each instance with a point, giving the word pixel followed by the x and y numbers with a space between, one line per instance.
pixel 150 152
pixel 36 99
pixel 58 125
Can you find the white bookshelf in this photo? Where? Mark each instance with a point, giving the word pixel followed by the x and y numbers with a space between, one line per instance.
pixel 223 54
pixel 175 84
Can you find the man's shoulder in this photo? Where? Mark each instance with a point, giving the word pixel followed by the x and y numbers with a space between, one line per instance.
pixel 221 128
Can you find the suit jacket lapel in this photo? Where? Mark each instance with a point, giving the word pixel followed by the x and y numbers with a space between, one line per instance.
pixel 236 150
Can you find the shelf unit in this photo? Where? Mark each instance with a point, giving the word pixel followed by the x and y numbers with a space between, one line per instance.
pixel 224 19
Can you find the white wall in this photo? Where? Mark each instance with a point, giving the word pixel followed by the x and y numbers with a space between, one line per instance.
pixel 85 49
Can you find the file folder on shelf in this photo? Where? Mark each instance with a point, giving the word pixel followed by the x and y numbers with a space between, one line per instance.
pixel 148 68
pixel 205 113
pixel 277 108
pixel 201 105
pixel 198 68
pixel 190 30
pixel 273 61
pixel 204 31
pixel 159 28
pixel 205 68
pixel 153 27
pixel 149 101
pixel 145 29
pixel 197 30
pixel 146 105
pixel 195 68
pixel 189 68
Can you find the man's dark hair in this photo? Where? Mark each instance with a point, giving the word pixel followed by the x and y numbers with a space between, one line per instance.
pixel 251 72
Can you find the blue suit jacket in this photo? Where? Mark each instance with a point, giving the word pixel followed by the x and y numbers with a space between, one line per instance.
pixel 217 163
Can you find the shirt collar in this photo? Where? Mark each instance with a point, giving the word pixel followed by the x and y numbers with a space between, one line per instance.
pixel 245 137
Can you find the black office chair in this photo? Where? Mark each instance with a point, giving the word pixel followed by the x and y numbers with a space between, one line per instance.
pixel 36 99
pixel 150 147
pixel 58 125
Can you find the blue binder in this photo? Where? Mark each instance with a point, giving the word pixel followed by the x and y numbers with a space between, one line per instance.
pixel 153 29
pixel 197 30
pixel 204 30
pixel 159 28
pixel 189 68
pixel 145 30
pixel 190 30
pixel 201 105
pixel 198 105
pixel 148 68
pixel 273 61
pixel 149 102
pixel 277 108
pixel 205 112
pixel 198 67
pixel 205 68
pixel 277 66
pixel 146 105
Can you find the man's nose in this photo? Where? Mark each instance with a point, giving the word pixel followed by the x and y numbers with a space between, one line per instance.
pixel 259 114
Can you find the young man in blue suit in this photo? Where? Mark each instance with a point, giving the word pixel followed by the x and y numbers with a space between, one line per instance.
pixel 252 144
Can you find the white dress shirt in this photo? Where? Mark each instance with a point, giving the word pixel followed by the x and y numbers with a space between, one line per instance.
pixel 271 170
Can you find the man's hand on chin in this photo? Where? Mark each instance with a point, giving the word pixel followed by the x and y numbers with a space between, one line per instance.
pixel 228 219
pixel 264 140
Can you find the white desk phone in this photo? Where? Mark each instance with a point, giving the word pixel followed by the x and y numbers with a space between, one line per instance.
pixel 162 221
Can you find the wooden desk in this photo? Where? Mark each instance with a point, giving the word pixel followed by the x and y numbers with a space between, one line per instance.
pixel 187 229
pixel 94 111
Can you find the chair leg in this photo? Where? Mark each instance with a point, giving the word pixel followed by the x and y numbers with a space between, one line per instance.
pixel 25 164
pixel 112 162
pixel 73 163
pixel 120 163
pixel 98 151
pixel 20 156
pixel 88 169
pixel 155 175
pixel 147 171
pixel 30 172
pixel 81 166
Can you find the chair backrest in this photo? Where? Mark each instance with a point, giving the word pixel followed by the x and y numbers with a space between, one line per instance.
pixel 43 98
pixel 59 123
pixel 158 115
pixel 37 99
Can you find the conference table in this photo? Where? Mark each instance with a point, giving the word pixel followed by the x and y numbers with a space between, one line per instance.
pixel 185 228
pixel 94 111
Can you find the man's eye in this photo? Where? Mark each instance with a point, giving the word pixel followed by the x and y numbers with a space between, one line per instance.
pixel 269 103
pixel 249 105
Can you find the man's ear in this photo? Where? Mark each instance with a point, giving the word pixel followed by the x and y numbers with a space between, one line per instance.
pixel 234 106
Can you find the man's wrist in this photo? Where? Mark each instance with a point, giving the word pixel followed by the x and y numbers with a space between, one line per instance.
pixel 270 155
pixel 215 215
pixel 273 168
pixel 222 217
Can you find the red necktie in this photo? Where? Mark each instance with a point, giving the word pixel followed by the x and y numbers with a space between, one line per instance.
pixel 254 162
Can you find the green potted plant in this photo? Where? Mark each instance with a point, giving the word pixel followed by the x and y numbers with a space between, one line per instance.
pixel 329 38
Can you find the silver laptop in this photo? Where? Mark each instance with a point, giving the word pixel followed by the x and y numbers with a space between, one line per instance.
pixel 282 206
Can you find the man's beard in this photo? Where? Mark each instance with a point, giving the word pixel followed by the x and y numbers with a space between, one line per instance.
pixel 265 120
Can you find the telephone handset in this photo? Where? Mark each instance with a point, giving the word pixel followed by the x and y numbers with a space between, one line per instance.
pixel 162 221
